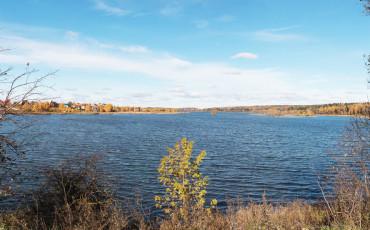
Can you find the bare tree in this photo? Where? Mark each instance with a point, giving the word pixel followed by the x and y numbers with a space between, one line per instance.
pixel 367 64
pixel 366 5
pixel 351 185
pixel 15 89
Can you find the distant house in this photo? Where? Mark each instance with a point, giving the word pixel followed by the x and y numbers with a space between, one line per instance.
pixel 76 106
pixel 53 104
pixel 95 108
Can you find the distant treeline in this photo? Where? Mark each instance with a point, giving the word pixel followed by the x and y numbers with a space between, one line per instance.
pixel 72 107
pixel 351 109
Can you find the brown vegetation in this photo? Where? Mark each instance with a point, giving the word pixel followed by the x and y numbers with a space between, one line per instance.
pixel 71 198
pixel 342 109
pixel 351 186
pixel 70 107
pixel 295 215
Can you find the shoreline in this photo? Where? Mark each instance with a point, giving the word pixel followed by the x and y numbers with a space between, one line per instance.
pixel 302 115
pixel 99 113
pixel 174 113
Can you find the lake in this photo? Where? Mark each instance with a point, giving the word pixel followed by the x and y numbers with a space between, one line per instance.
pixel 247 154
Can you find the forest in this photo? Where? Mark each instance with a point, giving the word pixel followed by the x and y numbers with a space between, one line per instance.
pixel 337 109
pixel 340 109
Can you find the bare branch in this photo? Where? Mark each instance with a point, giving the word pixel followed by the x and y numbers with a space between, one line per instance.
pixel 14 91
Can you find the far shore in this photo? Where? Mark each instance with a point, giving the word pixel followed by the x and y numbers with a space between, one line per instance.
pixel 359 109
pixel 173 113
pixel 301 115
pixel 98 113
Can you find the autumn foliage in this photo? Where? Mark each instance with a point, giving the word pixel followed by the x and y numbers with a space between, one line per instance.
pixel 349 109
pixel 71 107
pixel 185 186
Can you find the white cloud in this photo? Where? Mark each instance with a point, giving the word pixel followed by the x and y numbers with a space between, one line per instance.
pixel 134 49
pixel 111 10
pixel 131 49
pixel 279 35
pixel 178 82
pixel 244 55
pixel 172 8
pixel 72 35
pixel 195 78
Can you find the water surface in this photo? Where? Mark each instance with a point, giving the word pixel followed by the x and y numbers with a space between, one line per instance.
pixel 247 155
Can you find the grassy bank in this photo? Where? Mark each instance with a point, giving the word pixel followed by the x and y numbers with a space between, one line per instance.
pixel 75 197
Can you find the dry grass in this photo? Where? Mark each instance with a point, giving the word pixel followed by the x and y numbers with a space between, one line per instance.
pixel 87 212
pixel 71 198
pixel 351 204
pixel 296 215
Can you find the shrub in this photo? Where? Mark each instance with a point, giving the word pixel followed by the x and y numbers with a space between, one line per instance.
pixel 185 186
pixel 72 197
pixel 351 204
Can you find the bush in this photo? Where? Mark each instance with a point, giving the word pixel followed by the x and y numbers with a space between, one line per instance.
pixel 351 204
pixel 71 198
pixel 185 186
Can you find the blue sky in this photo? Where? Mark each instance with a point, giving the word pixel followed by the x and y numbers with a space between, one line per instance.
pixel 198 53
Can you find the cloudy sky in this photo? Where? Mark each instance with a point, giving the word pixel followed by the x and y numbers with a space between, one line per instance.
pixel 198 53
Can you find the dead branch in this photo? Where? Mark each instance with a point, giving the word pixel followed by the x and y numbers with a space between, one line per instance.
pixel 14 91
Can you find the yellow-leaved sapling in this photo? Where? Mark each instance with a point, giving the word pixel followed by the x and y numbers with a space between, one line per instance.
pixel 185 186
